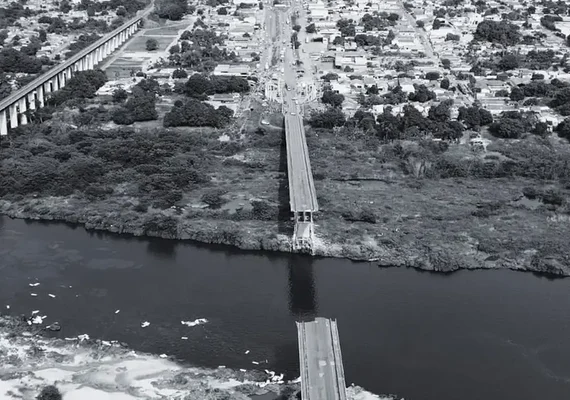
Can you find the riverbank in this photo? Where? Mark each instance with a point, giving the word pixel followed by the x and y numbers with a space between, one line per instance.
pixel 508 233
pixel 436 207
pixel 81 368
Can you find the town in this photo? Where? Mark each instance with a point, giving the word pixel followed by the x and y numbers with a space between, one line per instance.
pixel 423 135
pixel 408 95
pixel 481 64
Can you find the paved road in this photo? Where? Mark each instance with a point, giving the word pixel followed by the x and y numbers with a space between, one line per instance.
pixel 302 193
pixel 411 21
pixel 322 373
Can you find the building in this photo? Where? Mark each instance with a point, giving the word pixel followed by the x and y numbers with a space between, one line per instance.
pixel 232 70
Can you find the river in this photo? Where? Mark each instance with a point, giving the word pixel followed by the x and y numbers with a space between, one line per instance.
pixel 471 335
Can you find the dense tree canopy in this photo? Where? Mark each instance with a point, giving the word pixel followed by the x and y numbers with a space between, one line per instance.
pixel 474 116
pixel 329 118
pixel 81 86
pixel 171 9
pixel 12 60
pixel 141 106
pixel 200 86
pixel 503 32
pixel 196 113
pixel 332 98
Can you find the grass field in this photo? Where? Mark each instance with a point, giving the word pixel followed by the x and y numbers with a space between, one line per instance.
pixel 122 66
pixel 138 44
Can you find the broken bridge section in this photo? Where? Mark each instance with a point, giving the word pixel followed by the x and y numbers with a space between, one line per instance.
pixel 322 372
pixel 302 193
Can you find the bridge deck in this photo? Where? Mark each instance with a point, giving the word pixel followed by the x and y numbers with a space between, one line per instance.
pixel 322 373
pixel 302 194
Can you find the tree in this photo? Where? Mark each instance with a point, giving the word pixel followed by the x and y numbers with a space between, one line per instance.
pixel 121 11
pixel 49 393
pixel 422 94
pixel 12 60
pixel 296 27
pixel 120 95
pixel 432 76
pixel 508 62
pixel 140 107
pixel 179 74
pixel 151 44
pixel 563 129
pixel 214 198
pixel 441 112
pixel 42 35
pixel 501 32
pixel 198 86
pixel 517 94
pixel 196 113
pixel 222 11
pixel 444 84
pixel 332 98
pixel 420 24
pixel 81 86
pixel 540 129
pixel 65 7
pixel 327 119
pixel 331 76
pixel 310 28
pixel 511 125
pixel 171 9
pixel 474 117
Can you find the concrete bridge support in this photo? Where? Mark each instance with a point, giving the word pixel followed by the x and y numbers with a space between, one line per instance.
pixel 14 108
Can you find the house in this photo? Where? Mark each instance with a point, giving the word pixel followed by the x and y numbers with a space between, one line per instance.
pixel 225 98
pixel 232 70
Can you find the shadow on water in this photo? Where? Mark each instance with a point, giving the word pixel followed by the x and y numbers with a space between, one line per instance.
pixel 284 225
pixel 162 248
pixel 548 276
pixel 302 291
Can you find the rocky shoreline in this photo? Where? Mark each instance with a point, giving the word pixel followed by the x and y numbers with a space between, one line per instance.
pixel 81 367
pixel 263 235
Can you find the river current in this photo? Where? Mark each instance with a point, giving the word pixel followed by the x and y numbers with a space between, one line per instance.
pixel 471 335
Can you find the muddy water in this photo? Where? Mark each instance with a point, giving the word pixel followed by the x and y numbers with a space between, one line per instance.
pixel 471 335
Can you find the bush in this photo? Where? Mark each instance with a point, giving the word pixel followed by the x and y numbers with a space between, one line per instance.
pixel 151 44
pixel 214 198
pixel 120 95
pixel 263 211
pixel 327 119
pixel 179 74
pixel 49 393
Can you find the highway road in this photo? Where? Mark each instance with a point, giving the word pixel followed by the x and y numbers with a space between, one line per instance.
pixel 322 373
pixel 302 193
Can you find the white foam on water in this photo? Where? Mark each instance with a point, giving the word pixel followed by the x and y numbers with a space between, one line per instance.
pixel 84 369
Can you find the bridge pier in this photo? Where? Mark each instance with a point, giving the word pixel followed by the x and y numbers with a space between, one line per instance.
pixel 22 110
pixel 3 123
pixel 13 109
